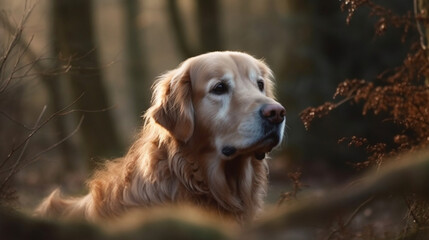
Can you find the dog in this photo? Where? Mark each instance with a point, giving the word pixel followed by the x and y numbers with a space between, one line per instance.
pixel 204 142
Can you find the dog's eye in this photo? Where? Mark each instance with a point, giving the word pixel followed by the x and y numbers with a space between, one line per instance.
pixel 220 88
pixel 261 85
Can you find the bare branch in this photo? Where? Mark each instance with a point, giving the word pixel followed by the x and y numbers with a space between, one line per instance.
pixel 18 160
pixel 87 111
pixel 16 32
pixel 37 128
pixel 15 67
pixel 351 217
pixel 14 120
pixel 419 26
pixel 19 41
pixel 37 156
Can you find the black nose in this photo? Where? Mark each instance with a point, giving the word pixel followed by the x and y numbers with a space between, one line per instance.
pixel 274 113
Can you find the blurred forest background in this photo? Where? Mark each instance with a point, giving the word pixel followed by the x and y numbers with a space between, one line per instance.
pixel 78 75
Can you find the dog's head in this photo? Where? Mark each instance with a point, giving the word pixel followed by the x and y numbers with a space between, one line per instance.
pixel 222 101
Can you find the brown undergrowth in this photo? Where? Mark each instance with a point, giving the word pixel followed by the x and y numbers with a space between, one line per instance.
pixel 399 95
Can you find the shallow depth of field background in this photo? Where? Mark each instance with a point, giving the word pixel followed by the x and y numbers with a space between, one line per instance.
pixel 307 43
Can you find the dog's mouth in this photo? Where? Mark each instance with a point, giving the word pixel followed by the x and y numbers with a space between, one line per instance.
pixel 258 149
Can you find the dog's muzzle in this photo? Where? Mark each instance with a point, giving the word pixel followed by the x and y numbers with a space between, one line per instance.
pixel 272 119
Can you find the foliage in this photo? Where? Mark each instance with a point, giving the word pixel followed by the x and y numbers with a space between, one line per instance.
pixel 399 95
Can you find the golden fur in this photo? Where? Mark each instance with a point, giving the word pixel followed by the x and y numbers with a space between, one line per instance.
pixel 177 157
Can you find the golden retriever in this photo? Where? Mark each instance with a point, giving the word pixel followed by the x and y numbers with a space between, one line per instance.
pixel 204 142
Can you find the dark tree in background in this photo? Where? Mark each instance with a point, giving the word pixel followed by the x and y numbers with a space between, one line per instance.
pixel 179 30
pixel 208 12
pixel 74 39
pixel 208 17
pixel 137 68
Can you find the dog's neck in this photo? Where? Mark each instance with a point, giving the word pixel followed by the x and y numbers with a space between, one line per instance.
pixel 235 187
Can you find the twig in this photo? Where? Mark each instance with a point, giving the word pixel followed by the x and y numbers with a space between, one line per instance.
pixel 17 34
pixel 15 67
pixel 18 160
pixel 411 211
pixel 15 121
pixel 344 100
pixel 37 128
pixel 63 113
pixel 59 113
pixel 351 217
pixel 419 26
pixel 36 157
pixel 17 40
pixel 295 177
pixel 87 111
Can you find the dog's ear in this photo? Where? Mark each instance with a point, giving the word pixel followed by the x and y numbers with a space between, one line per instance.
pixel 172 103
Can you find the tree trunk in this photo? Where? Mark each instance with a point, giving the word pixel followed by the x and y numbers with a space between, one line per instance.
pixel 178 28
pixel 136 62
pixel 52 83
pixel 73 30
pixel 208 15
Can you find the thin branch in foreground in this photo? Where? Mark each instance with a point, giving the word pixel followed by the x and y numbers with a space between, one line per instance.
pixel 419 26
pixel 38 127
pixel 18 160
pixel 87 111
pixel 15 121
pixel 16 36
pixel 351 217
pixel 16 66
pixel 37 156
